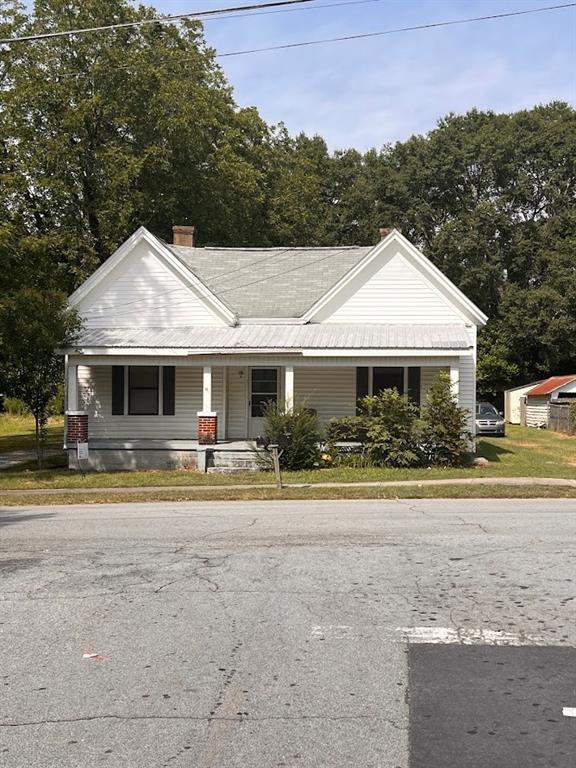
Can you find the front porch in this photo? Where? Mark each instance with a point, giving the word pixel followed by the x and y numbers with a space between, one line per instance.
pixel 111 455
pixel 187 411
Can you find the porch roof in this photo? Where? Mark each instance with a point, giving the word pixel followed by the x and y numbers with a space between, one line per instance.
pixel 279 337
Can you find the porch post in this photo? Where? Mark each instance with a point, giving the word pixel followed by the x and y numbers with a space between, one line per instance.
pixel 289 387
pixel 72 387
pixel 207 418
pixel 207 389
pixel 455 381
pixel 76 420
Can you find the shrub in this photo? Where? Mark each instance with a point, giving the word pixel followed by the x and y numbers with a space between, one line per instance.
pixel 392 435
pixel 445 438
pixel 300 428
pixel 56 404
pixel 15 407
pixel 352 428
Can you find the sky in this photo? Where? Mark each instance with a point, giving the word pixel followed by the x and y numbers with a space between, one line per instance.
pixel 371 92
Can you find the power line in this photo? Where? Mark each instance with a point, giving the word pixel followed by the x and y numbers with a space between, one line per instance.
pixel 395 31
pixel 156 20
pixel 218 293
pixel 210 285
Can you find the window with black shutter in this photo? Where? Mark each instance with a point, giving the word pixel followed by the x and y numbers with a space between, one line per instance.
pixel 361 385
pixel 117 390
pixel 143 386
pixel 168 390
pixel 387 378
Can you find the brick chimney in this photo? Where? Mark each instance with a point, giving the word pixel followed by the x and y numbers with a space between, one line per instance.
pixel 384 232
pixel 183 235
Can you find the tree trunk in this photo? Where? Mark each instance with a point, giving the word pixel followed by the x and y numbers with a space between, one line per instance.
pixel 38 440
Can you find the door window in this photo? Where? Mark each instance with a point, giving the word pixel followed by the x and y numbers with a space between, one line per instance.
pixel 264 390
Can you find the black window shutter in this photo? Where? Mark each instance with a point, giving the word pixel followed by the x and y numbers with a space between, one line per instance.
pixel 168 390
pixel 414 384
pixel 117 390
pixel 361 385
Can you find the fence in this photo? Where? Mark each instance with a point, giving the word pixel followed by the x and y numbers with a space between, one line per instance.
pixel 559 416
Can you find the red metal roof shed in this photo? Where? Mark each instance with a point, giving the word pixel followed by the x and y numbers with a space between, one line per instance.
pixel 550 385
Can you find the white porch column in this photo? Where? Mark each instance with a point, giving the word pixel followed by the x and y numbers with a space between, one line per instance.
pixel 207 389
pixel 207 418
pixel 72 388
pixel 289 387
pixel 76 429
pixel 455 382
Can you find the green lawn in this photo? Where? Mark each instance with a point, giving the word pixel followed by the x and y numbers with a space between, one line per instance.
pixel 523 453
pixel 313 492
pixel 17 433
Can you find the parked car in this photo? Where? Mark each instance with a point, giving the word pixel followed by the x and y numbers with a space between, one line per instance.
pixel 489 421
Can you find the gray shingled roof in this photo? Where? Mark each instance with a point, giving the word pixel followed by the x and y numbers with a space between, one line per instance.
pixel 281 337
pixel 270 282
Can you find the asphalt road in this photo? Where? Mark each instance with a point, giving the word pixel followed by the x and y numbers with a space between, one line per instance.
pixel 289 634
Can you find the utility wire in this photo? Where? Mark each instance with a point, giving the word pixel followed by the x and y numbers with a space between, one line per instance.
pixel 210 285
pixel 156 20
pixel 219 293
pixel 395 31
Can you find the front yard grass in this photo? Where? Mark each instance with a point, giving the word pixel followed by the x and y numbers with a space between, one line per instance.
pixel 311 492
pixel 17 433
pixel 524 452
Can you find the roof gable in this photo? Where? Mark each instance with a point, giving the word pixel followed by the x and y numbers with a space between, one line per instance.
pixel 143 283
pixel 395 282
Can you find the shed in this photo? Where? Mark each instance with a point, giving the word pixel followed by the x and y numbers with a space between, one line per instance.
pixel 513 398
pixel 538 398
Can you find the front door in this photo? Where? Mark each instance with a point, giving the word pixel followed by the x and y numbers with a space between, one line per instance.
pixel 263 389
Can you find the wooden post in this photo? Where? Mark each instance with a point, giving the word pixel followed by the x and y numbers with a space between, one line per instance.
pixel 276 460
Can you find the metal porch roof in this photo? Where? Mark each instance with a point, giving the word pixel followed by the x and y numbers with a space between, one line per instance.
pixel 280 337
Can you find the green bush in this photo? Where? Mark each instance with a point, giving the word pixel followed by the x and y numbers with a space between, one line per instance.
pixel 351 428
pixel 15 407
pixel 299 426
pixel 392 435
pixel 56 404
pixel 445 438
pixel 573 417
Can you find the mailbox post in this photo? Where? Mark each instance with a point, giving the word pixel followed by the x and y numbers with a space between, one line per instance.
pixel 276 449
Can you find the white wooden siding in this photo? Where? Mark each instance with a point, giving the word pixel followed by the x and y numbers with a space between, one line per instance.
pixel 537 410
pixel 144 291
pixel 394 291
pixel 569 389
pixel 95 388
pixel 331 392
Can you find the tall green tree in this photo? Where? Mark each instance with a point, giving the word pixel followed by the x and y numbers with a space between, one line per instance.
pixel 104 132
pixel 33 324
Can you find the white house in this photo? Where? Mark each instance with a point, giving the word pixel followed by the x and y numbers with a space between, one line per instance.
pixel 183 346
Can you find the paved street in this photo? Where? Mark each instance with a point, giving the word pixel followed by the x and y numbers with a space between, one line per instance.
pixel 381 634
